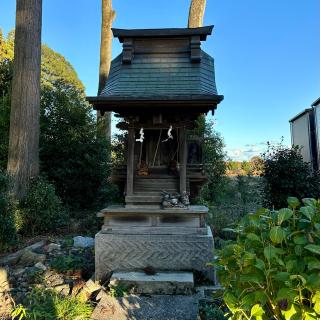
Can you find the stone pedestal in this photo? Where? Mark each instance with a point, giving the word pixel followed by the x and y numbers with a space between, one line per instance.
pixel 167 240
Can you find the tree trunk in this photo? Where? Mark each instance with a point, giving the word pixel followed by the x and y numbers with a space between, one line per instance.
pixel 23 155
pixel 108 15
pixel 196 13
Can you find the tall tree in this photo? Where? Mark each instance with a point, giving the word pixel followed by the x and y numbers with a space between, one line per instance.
pixel 196 13
pixel 23 156
pixel 108 16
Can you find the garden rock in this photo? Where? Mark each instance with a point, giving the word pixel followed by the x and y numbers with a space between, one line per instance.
pixel 29 258
pixel 88 289
pixel 52 247
pixel 83 242
pixel 63 289
pixel 41 266
pixel 53 279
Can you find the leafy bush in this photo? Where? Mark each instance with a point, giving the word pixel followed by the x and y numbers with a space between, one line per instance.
pixel 42 210
pixel 214 158
pixel 272 270
pixel 72 155
pixel 286 174
pixel 8 233
pixel 44 304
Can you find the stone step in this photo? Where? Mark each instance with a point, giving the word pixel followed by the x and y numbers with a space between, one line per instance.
pixel 143 199
pixel 160 283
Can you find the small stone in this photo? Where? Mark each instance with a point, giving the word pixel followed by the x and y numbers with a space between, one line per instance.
pixel 92 286
pixel 18 272
pixel 29 258
pixel 52 247
pixel 83 242
pixel 63 289
pixel 102 293
pixel 77 286
pixel 53 279
pixel 40 266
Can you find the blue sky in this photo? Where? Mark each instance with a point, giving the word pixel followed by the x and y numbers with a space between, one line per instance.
pixel 267 55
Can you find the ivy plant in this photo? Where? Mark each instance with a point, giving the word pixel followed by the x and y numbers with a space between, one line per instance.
pixel 272 270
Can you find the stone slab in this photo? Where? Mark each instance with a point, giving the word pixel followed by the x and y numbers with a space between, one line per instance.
pixel 133 252
pixel 160 283
pixel 155 307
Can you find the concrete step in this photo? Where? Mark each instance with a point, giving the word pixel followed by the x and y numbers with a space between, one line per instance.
pixel 160 283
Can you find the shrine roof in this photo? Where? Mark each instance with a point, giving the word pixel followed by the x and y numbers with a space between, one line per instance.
pixel 203 32
pixel 160 65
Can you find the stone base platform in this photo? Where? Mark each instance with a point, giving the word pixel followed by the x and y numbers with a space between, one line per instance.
pixel 129 252
pixel 160 283
pixel 172 240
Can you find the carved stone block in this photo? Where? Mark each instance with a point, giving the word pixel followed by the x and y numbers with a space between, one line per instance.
pixel 129 252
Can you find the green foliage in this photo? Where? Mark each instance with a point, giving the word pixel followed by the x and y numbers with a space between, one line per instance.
pixel 44 304
pixel 42 209
pixel 210 311
pixel 19 312
pixel 66 264
pixel 238 196
pixel 71 154
pixel 8 233
pixel 118 290
pixel 213 158
pixel 286 174
pixel 54 67
pixel 272 269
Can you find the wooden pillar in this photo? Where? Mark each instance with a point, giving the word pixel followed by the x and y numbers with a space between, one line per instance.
pixel 130 160
pixel 183 159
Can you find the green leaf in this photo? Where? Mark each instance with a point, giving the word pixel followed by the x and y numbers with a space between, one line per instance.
pixel 292 312
pixel 252 277
pixel 231 301
pixel 309 202
pixel 315 264
pixel 298 250
pixel 307 212
pixel 249 259
pixel 316 301
pixel 313 248
pixel 260 264
pixel 293 202
pixel 282 276
pixel 277 234
pixel 256 311
pixel 287 294
pixel 270 252
pixel 253 237
pixel 300 239
pixel 284 214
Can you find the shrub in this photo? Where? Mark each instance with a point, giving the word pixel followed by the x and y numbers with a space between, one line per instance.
pixel 286 174
pixel 72 155
pixel 42 210
pixel 8 233
pixel 44 304
pixel 272 269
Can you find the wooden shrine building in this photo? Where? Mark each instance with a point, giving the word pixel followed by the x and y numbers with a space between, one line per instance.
pixel 158 86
